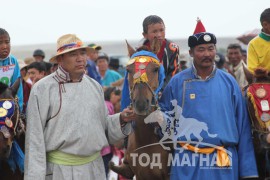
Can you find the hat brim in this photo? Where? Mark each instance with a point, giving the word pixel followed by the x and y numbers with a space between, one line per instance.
pixel 22 66
pixel 97 47
pixel 54 58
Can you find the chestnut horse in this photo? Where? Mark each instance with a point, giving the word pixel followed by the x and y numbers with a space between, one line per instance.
pixel 258 100
pixel 11 128
pixel 144 157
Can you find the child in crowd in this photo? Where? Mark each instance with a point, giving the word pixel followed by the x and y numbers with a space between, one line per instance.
pixel 9 67
pixel 112 98
pixel 36 71
pixel 154 27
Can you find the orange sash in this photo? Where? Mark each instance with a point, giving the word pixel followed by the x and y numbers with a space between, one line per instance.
pixel 223 159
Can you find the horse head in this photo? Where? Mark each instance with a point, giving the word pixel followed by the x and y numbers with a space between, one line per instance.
pixel 261 75
pixel 9 117
pixel 143 78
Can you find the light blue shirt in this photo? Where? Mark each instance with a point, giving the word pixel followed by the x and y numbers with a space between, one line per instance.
pixel 110 77
pixel 10 60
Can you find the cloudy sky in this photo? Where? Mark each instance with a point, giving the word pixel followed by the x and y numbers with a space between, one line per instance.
pixel 43 21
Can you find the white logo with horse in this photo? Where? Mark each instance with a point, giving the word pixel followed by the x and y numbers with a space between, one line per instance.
pixel 174 125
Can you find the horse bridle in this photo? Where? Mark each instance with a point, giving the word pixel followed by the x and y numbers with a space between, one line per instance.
pixel 155 105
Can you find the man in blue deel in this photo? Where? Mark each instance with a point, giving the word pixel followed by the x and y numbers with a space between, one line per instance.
pixel 211 124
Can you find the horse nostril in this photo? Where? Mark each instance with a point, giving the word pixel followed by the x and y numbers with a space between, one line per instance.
pixel 5 150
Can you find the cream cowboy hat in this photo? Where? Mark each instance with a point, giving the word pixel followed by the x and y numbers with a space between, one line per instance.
pixel 22 64
pixel 67 43
pixel 29 60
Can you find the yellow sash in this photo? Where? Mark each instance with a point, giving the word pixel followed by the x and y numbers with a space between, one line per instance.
pixel 222 156
pixel 58 157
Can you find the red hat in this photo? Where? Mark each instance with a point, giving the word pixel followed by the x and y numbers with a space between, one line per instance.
pixel 199 27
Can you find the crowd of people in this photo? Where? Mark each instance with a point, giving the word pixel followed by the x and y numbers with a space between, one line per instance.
pixel 75 123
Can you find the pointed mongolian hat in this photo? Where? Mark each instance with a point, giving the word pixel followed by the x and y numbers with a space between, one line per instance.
pixel 200 36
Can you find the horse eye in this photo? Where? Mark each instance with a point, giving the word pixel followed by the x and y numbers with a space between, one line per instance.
pixel 156 69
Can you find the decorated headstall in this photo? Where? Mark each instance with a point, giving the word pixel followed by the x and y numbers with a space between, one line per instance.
pixel 8 108
pixel 259 96
pixel 141 59
pixel 141 62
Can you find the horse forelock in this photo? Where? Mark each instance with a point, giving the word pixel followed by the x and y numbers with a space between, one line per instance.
pixel 143 48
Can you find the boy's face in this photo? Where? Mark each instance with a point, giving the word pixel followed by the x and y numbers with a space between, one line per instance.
pixel 93 54
pixel 35 75
pixel 266 27
pixel 4 46
pixel 155 31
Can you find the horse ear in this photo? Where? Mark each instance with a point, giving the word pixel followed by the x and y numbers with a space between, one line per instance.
pixel 14 88
pixel 248 74
pixel 131 50
pixel 155 46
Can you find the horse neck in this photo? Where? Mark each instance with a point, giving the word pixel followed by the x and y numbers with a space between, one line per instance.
pixel 144 132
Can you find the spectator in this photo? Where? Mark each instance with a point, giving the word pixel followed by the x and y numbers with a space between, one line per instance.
pixel 36 71
pixel 107 76
pixel 39 55
pixel 234 54
pixel 91 67
pixel 26 86
pixel 9 67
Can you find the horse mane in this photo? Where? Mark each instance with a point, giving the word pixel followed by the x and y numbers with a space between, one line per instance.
pixel 3 87
pixel 261 74
pixel 143 47
pixel 154 47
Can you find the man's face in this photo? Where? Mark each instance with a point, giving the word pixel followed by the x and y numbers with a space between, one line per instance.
pixel 102 64
pixel 93 54
pixel 35 74
pixel 74 62
pixel 235 56
pixel 39 58
pixel 4 46
pixel 203 55
pixel 155 31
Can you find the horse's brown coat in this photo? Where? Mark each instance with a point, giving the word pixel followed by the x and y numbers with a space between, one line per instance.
pixel 143 134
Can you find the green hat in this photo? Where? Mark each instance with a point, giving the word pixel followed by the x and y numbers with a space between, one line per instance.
pixel 94 46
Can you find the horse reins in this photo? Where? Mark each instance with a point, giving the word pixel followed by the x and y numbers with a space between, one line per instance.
pixel 153 93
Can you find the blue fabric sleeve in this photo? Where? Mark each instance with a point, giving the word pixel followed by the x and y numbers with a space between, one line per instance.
pixel 165 100
pixel 92 71
pixel 125 99
pixel 247 162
